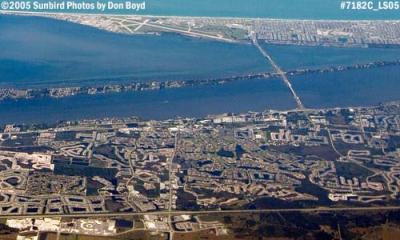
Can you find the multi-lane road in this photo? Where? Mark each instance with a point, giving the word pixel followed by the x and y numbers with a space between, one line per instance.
pixel 278 70
pixel 205 212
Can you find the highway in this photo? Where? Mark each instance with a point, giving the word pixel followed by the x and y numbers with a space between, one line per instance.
pixel 171 194
pixel 203 212
pixel 278 70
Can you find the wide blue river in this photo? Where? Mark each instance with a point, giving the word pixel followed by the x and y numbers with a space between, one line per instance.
pixel 341 89
pixel 39 52
pixel 241 96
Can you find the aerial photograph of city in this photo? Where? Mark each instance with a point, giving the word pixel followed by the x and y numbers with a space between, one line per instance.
pixel 199 120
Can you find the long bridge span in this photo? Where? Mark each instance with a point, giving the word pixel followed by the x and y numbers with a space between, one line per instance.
pixel 278 70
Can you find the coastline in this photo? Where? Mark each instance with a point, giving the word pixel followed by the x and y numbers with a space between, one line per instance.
pixel 44 13
pixel 62 92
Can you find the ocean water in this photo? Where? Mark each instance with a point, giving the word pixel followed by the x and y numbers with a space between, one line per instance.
pixel 240 96
pixel 286 9
pixel 41 52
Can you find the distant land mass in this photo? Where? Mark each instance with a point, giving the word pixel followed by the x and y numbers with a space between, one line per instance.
pixel 285 9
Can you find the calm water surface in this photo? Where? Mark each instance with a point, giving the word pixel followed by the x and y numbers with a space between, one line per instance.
pixel 42 52
pixel 295 57
pixel 350 88
pixel 241 96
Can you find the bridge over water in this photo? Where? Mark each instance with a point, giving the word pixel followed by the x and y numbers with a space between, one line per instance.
pixel 278 70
